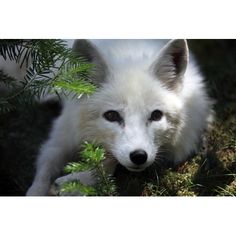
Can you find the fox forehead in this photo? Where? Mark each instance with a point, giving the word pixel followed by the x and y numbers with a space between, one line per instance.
pixel 135 92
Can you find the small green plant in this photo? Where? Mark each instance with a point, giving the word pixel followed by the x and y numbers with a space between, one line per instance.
pixel 91 160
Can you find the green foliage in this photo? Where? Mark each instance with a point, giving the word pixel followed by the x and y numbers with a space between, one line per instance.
pixel 77 187
pixel 11 48
pixel 51 67
pixel 77 86
pixel 91 160
pixel 8 83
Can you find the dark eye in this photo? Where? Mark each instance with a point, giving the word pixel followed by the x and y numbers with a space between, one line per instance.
pixel 156 115
pixel 112 116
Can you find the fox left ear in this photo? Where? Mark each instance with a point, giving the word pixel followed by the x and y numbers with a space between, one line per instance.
pixel 171 63
pixel 90 52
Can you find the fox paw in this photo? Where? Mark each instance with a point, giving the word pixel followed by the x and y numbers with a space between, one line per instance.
pixel 85 178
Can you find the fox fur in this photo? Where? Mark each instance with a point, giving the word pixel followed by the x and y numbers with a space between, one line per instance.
pixel 157 101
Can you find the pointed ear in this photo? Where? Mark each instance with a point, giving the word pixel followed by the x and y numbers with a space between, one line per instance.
pixel 171 63
pixel 89 51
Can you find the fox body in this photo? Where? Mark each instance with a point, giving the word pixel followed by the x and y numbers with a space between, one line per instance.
pixel 151 101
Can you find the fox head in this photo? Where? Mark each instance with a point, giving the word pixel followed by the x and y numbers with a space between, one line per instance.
pixel 136 110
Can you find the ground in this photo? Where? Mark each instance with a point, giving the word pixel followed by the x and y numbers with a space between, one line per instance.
pixel 209 173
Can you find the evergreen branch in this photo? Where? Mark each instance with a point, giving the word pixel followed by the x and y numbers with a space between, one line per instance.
pixel 5 106
pixel 92 153
pixel 75 167
pixel 51 68
pixel 7 81
pixel 11 48
pixel 76 186
pixel 78 86
pixel 91 159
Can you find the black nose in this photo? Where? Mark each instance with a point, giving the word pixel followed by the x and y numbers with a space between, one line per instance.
pixel 138 157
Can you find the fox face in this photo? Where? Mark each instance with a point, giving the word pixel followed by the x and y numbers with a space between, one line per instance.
pixel 137 110
pixel 132 120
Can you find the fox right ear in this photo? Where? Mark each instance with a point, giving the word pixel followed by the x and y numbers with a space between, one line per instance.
pixel 171 63
pixel 89 51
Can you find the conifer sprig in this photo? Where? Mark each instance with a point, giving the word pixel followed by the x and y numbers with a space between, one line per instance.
pixel 51 67
pixel 91 159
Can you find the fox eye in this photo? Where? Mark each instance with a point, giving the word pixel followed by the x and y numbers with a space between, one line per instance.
pixel 112 116
pixel 156 115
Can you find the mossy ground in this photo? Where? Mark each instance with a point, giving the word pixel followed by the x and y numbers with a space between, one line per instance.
pixel 212 172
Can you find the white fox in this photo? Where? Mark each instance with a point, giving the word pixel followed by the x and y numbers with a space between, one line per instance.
pixel 151 100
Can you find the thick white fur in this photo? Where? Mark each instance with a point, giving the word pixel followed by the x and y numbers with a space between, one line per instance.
pixel 134 86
